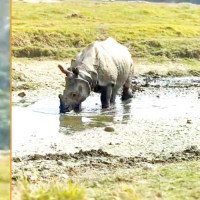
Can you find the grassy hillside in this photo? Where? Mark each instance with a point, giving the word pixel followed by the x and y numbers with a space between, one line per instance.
pixel 157 32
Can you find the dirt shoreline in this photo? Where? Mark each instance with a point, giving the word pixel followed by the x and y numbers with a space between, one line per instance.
pixel 42 77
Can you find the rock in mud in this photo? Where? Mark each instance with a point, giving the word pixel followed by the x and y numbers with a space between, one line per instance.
pixel 109 129
pixel 42 168
pixel 22 94
pixel 32 179
pixel 17 159
pixel 22 101
pixel 64 176
pixel 28 174
pixel 15 176
pixel 35 157
pixel 192 149
pixel 147 166
pixel 61 163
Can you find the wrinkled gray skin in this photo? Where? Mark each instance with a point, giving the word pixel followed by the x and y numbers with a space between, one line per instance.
pixel 102 67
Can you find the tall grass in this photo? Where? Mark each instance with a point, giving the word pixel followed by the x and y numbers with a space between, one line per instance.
pixel 54 190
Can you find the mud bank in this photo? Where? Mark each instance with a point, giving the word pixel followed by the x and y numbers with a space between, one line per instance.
pixel 60 166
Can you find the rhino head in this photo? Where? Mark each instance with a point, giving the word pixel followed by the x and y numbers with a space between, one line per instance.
pixel 76 91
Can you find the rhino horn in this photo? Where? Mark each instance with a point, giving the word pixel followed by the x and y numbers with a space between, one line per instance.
pixel 66 72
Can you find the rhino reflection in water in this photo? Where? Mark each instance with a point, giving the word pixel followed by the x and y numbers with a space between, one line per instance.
pixel 102 67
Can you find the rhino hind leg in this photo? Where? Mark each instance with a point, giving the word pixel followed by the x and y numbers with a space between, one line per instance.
pixel 106 92
pixel 126 93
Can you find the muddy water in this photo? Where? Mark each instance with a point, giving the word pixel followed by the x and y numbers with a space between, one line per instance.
pixel 162 118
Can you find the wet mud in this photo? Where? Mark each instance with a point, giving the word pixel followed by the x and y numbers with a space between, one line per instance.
pixel 160 124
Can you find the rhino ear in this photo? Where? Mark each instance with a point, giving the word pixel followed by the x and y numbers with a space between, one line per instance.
pixel 72 62
pixel 87 89
pixel 60 96
pixel 75 70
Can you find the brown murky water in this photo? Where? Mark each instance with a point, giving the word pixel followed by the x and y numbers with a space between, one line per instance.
pixel 162 118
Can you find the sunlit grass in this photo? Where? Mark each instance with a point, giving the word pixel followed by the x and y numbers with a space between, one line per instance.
pixel 53 190
pixel 178 181
pixel 152 31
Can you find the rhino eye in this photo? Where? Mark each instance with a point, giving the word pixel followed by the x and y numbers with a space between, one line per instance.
pixel 73 94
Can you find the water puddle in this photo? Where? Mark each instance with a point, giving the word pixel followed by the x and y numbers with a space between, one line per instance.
pixel 140 124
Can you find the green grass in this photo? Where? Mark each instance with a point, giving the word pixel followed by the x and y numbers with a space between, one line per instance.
pixel 54 190
pixel 169 182
pixel 178 181
pixel 4 179
pixel 156 32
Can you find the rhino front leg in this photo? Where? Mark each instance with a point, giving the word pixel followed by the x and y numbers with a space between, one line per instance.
pixel 77 108
pixel 106 92
pixel 127 94
pixel 114 94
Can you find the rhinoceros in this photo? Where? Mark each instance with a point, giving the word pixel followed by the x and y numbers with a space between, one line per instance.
pixel 103 66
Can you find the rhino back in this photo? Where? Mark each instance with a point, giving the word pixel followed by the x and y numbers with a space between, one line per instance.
pixel 110 60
